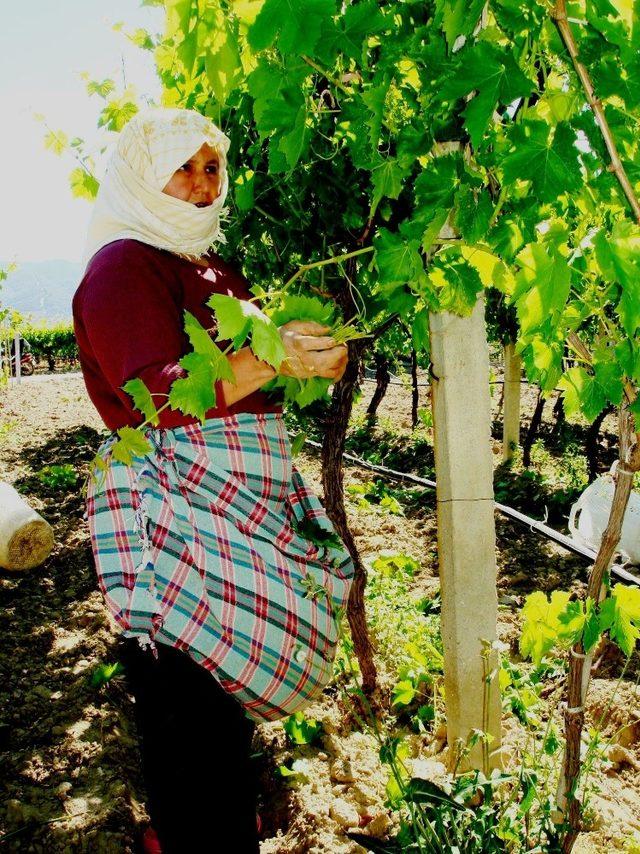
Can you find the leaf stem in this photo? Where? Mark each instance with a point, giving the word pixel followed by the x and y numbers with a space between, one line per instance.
pixel 336 259
pixel 266 214
pixel 498 208
pixel 325 74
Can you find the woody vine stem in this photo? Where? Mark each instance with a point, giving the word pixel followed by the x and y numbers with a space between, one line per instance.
pixel 629 462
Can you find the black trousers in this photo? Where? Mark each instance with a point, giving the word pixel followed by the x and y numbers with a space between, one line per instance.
pixel 195 742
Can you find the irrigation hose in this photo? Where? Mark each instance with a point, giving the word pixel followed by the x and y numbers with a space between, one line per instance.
pixel 567 543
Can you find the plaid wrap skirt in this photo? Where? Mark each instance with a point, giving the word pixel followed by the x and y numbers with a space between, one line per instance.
pixel 203 544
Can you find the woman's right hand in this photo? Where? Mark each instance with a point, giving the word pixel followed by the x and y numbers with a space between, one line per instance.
pixel 311 353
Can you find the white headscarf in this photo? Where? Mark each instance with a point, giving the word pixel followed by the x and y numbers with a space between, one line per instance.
pixel 130 202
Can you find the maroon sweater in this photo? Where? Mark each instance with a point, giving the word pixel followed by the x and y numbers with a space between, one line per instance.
pixel 128 316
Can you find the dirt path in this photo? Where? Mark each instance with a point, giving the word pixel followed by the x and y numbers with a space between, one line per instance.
pixel 68 756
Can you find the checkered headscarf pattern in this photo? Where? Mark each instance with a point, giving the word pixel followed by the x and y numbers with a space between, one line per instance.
pixel 196 547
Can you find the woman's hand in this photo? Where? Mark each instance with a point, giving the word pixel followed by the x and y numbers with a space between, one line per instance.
pixel 311 353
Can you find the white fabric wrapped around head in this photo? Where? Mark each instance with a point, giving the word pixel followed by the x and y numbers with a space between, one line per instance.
pixel 130 202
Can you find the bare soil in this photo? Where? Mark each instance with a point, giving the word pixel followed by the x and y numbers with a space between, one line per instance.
pixel 69 768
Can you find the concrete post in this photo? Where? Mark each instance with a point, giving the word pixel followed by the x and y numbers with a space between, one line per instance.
pixel 466 531
pixel 511 411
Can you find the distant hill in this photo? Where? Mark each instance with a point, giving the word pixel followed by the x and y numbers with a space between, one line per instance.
pixel 42 288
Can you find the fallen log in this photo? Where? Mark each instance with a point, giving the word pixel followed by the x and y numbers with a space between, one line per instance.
pixel 26 539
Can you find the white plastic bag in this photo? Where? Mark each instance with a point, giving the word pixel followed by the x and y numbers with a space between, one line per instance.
pixel 590 514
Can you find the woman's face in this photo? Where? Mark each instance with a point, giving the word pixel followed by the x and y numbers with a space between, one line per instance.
pixel 198 180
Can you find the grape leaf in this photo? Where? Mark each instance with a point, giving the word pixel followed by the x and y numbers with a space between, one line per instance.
pixel 543 361
pixel 620 616
pixel 312 389
pixel 473 212
pixel 233 318
pixel 239 318
pixel 456 282
pixel 541 286
pixel 198 336
pixel 297 443
pixel 266 342
pixel 609 377
pixel 412 142
pixel 359 21
pixel 492 271
pixel 387 181
pixel 83 185
pixel 398 261
pixel 494 76
pixel 204 346
pixel 592 632
pixel 292 143
pixel 572 621
pixel 541 622
pixel 582 393
pixel 629 359
pixel 244 189
pixel 311 530
pixel 301 307
pixel 195 393
pixel 374 98
pixel 548 158
pixel 279 109
pixel 222 61
pixel 611 79
pixel 420 331
pixel 142 399
pixel 618 257
pixel 457 18
pixel 294 24
pixel 435 187
pixel 302 730
pixel 131 443
pixel 606 18
pixel 56 141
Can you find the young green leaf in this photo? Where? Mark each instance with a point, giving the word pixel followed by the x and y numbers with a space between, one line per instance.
pixel 131 443
pixel 302 730
pixel 301 307
pixel 541 623
pixel 205 347
pixel 404 693
pixel 142 399
pixel 195 393
pixel 620 616
pixel 237 319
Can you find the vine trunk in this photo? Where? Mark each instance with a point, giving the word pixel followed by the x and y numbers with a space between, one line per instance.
pixel 332 482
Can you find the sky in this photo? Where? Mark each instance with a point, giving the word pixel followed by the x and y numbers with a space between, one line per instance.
pixel 44 47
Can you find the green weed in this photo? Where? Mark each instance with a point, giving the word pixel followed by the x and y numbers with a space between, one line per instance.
pixel 376 493
pixel 58 477
pixel 104 673
pixel 302 731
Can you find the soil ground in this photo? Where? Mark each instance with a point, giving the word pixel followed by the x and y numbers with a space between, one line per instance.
pixel 69 767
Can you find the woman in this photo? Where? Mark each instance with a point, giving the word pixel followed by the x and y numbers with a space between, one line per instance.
pixel 228 611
